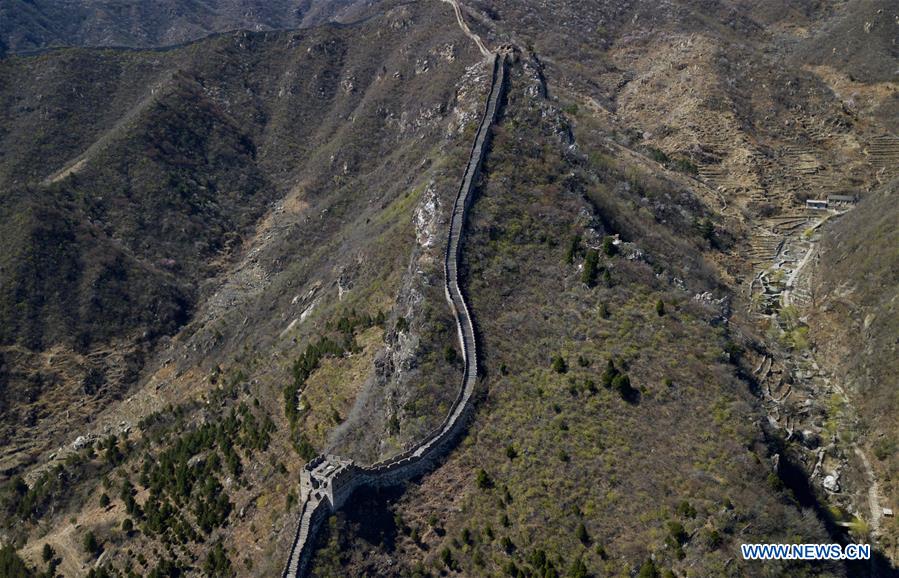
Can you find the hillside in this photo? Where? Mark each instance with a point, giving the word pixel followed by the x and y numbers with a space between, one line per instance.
pixel 237 176
pixel 224 255
pixel 853 326
pixel 685 124
pixel 31 25
pixel 583 468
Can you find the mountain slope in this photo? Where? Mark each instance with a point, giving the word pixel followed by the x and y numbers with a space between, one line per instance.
pixel 739 127
pixel 41 24
pixel 294 180
pixel 853 326
pixel 581 467
pixel 226 257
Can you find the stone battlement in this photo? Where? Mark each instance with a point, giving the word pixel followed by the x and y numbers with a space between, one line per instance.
pixel 328 481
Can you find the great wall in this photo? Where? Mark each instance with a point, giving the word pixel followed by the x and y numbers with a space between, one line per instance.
pixel 328 481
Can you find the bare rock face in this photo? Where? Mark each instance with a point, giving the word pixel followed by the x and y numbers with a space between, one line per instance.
pixel 80 442
pixel 810 439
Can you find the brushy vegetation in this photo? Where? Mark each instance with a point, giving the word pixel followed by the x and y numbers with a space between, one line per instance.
pixel 187 152
pixel 557 459
pixel 342 341
pixel 11 565
pixel 862 246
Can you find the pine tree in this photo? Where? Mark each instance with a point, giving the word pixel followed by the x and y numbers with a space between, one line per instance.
pixel 559 364
pixel 591 268
pixel 609 375
pixel 582 534
pixel 608 246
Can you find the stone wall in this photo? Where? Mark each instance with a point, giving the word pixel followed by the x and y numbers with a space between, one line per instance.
pixel 321 496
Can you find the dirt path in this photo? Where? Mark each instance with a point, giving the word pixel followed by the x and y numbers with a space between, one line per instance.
pixel 461 20
pixel 786 296
pixel 873 490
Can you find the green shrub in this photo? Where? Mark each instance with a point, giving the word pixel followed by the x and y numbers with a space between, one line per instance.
pixel 658 155
pixel 706 229
pixel 483 480
pixel 648 570
pixel 591 268
pixel 604 310
pixel 622 384
pixel 449 354
pixel 713 539
pixel 582 534
pixel 304 448
pixel 217 562
pixel 609 375
pixel 90 544
pixel 11 565
pixel 775 482
pixel 574 249
pixel 578 569
pixel 884 448
pixel 559 365
pixel 685 166
pixel 676 533
pixel 608 246
pixel 466 537
pixel 446 556
pixel 686 510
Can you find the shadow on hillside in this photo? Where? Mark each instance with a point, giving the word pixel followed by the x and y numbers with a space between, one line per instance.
pixel 368 513
pixel 795 478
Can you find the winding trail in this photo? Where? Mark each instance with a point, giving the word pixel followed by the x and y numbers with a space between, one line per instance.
pixel 876 510
pixel 787 296
pixel 464 26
